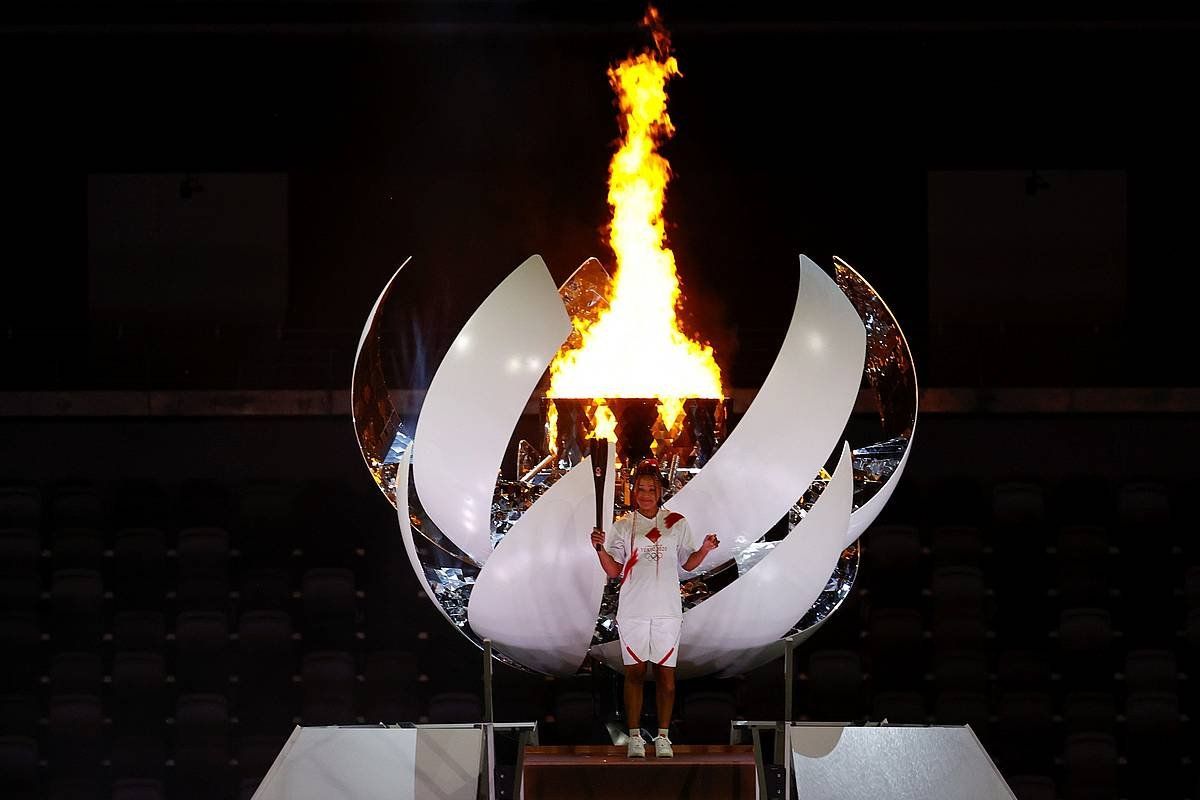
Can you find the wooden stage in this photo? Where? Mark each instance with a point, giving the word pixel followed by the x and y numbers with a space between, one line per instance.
pixel 602 771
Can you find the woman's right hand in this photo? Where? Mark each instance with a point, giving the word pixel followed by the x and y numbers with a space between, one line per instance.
pixel 597 538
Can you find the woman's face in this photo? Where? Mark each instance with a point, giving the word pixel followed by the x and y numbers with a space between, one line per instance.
pixel 645 495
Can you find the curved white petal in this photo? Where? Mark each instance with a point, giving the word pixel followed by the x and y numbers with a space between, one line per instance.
pixel 772 456
pixel 538 595
pixel 406 531
pixel 739 627
pixel 476 398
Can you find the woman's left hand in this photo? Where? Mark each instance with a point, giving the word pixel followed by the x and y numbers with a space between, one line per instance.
pixel 710 543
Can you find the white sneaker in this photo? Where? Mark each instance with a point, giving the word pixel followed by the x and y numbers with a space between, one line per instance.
pixel 662 747
pixel 637 747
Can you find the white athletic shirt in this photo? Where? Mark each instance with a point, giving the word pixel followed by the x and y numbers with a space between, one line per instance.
pixel 651 551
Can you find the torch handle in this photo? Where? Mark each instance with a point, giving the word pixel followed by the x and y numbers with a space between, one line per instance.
pixel 599 472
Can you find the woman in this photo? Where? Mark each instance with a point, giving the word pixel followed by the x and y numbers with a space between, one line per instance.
pixel 645 548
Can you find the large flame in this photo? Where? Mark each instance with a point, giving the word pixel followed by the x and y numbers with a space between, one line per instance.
pixel 635 347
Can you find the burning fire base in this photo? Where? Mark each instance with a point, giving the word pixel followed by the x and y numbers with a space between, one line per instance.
pixel 638 428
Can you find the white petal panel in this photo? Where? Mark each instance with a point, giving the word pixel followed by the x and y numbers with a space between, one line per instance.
pixel 738 627
pixel 476 398
pixel 406 531
pixel 538 595
pixel 772 456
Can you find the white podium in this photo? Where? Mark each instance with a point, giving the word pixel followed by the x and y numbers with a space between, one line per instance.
pixel 898 762
pixel 377 763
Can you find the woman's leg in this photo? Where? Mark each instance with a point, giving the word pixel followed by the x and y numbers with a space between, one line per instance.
pixel 635 685
pixel 664 677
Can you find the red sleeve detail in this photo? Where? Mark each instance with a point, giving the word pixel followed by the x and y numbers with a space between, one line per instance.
pixel 629 565
pixel 672 518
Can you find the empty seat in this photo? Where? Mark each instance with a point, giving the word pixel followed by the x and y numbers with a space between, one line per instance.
pixel 203 582
pixel 329 608
pixel 896 645
pixel 76 673
pixel 835 685
pixel 140 753
pixel 1153 728
pixel 959 670
pixel 328 680
pixel 139 681
pixel 138 630
pixel 77 506
pixel 1083 566
pixel 1025 731
pixel 1085 647
pixel 75 787
pixel 1191 587
pixel 959 633
pixel 79 548
pixel 202 747
pixel 1018 504
pixel 1023 670
pixel 20 507
pixel 1143 506
pixel 76 728
pixel 1090 712
pixel 956 545
pixel 892 564
pixel 264 523
pixel 267 664
pixel 203 549
pixel 451 707
pixel 140 567
pixel 201 642
pixel 19 715
pixel 957 592
pixel 20 641
pixel 19 592
pixel 19 768
pixel 1090 767
pixel 391 687
pixel 20 549
pixel 265 589
pixel 77 608
pixel 1151 671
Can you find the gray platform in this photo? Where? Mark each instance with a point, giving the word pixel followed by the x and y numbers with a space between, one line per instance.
pixel 897 762
pixel 377 762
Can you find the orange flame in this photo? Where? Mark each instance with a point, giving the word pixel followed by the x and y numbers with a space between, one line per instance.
pixel 635 348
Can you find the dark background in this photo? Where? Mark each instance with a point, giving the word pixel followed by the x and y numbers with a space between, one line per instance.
pixel 201 201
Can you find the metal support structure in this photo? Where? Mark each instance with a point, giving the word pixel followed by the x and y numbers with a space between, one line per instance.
pixel 487 787
pixel 488 711
pixel 789 673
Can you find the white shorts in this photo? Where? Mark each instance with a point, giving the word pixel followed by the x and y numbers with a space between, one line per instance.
pixel 653 639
